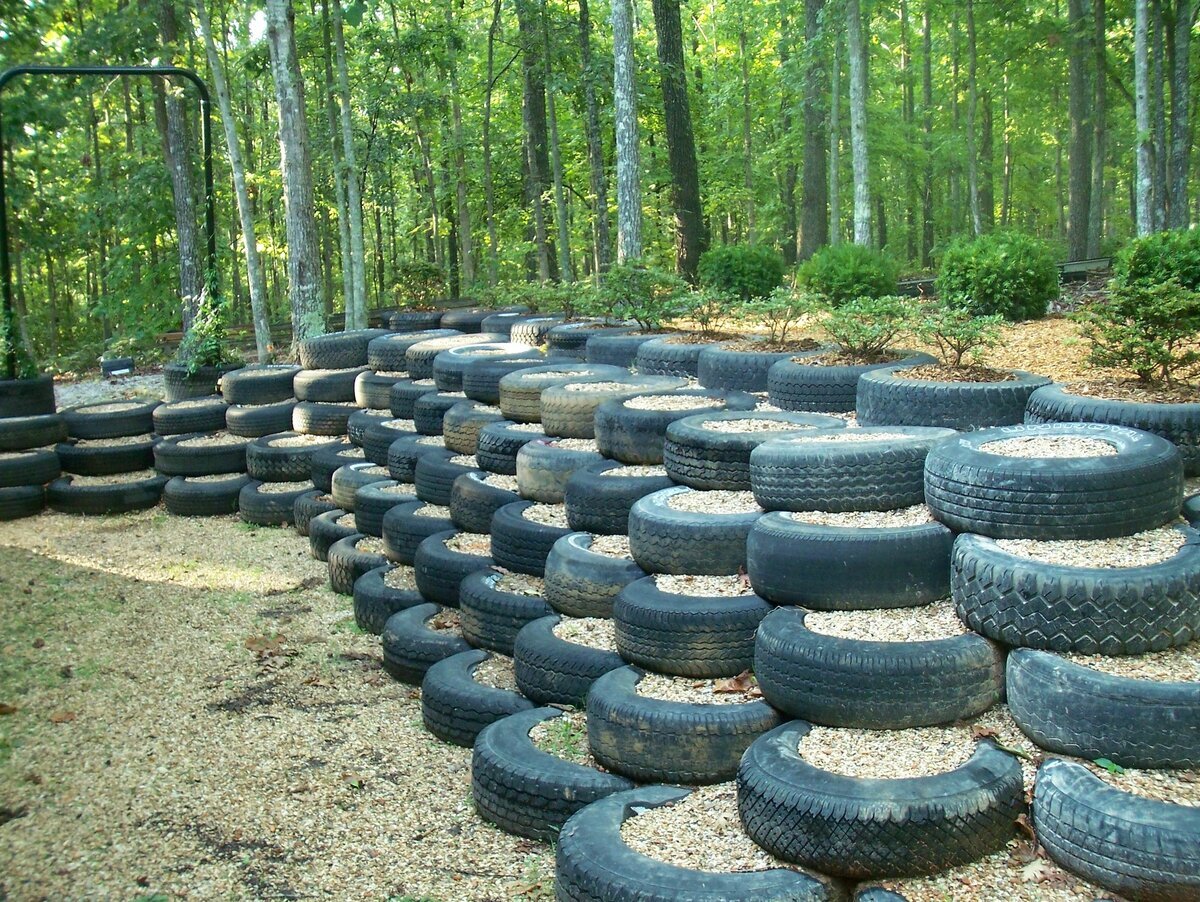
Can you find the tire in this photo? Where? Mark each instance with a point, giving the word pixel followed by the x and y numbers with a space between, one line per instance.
pixel 863 828
pixel 468 320
pixel 268 461
pixel 33 468
pixel 521 392
pixel 593 864
pixel 888 474
pixel 521 545
pixel 533 331
pixel 600 504
pixel 502 323
pixel 449 365
pixel 326 460
pixel 314 418
pixel 637 437
pixel 20 501
pixel 581 583
pixel 719 366
pixel 402 397
pixel 337 350
pixel 794 384
pixel 132 418
pixel 455 708
pixel 403 454
pixel 362 420
pixel 419 357
pixel 571 338
pixel 552 671
pixel 410 647
pixel 836 568
pixel 498 445
pixel 668 357
pixel 654 741
pixel 349 478
pixel 1138 488
pixel 481 378
pixel 430 409
pixel 378 436
pixel 572 414
pixel 310 504
pixel 886 398
pixel 543 468
pixel 491 617
pixel 1074 710
pixel 616 348
pixel 137 494
pixel 528 792
pixel 324 531
pixel 439 571
pixel 434 476
pixel 98 458
pixel 705 459
pixel 27 397
pixel 1191 509
pixel 259 420
pixel 258 385
pixel 473 502
pixel 404 531
pixel 196 415
pixel 347 563
pixel 1134 846
pixel 408 321
pixel 387 353
pixel 374 499
pixel 462 422
pixel 175 457
pixel 669 541
pixel 179 384
pixel 686 635
pixel 23 433
pixel 373 391
pixel 375 601
pixel 874 685
pixel 271 507
pixel 1178 423
pixel 185 497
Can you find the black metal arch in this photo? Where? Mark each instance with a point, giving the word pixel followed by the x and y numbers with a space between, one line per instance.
pixel 210 228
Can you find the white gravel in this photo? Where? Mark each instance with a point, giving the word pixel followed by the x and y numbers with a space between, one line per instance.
pixel 751 423
pixel 733 691
pixel 1173 665
pixel 632 472
pixel 907 516
pixel 432 510
pixel 470 543
pixel 703 586
pixel 719 502
pixel 932 622
pixel 280 488
pixel 547 514
pixel 611 546
pixel 1139 550
pixel 887 754
pixel 594 632
pixel 672 402
pixel 401 578
pixel 576 444
pixel 1050 446
pixel 852 436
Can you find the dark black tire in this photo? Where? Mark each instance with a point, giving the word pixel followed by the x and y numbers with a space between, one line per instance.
pixel 407 321
pixel 468 320
pixel 410 647
pixel 439 571
pixel 581 583
pixel 256 421
pixel 23 433
pixel 837 568
pixel 118 498
pixel 374 499
pixel 491 617
pixel 521 545
pixel 1178 423
pixel 27 397
pixel 378 435
pixel 387 353
pixel 669 541
pixel 656 741
pixel 528 792
pixel 720 366
pixel 552 671
pixel 349 478
pixel 347 562
pixel 462 422
pixel 375 601
pixel 270 507
pixel 481 378
pixel 20 501
pixel 886 398
pixel 449 365
pixel 402 397
pixel 635 436
pixel 618 348
pixel 705 459
pixel 498 445
pixel 669 357
pixel 572 338
pixel 502 322
pixel 373 391
pixel 316 418
pixel 35 468
pixel 338 350
pixel 268 461
pixel 179 456
pixel 455 708
pixel 1138 488
pixel 473 502
pixel 863 828
pixel 1134 846
pixel 311 504
pixel 533 331
pixel 1191 509
pixel 404 452
pixel 543 468
pixel 1075 710
pixel 430 409
pixel 600 504
pixel 521 392
pixel 179 384
pixel 798 475
pixel 419 357
pixel 185 497
pixel 257 385
pixel 95 457
pixel 795 384
pixel 326 460
pixel 874 685
pixel 434 475
pixel 324 531
pixel 196 415
pixel 131 418
pixel 686 635
pixel 572 414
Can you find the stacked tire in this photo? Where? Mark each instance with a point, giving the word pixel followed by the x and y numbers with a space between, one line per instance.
pixel 108 456
pixel 29 430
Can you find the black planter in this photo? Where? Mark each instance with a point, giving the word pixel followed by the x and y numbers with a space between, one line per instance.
pixel 27 397
pixel 182 385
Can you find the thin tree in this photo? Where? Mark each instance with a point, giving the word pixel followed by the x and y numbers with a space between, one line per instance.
pixel 335 153
pixel 601 238
pixel 489 186
pixel 857 46
pixel 927 128
pixel 533 117
pixel 1143 193
pixel 972 116
pixel 629 180
pixel 1181 128
pixel 835 144
pixel 814 200
pixel 747 133
pixel 356 304
pixel 1079 154
pixel 560 201
pixel 1095 227
pixel 466 244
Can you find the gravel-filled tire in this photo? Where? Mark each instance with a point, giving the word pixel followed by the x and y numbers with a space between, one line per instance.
pixel 552 671
pixel 1191 509
pixel 419 357
pixel 408 321
pixel 795 384
pixel 481 378
pixel 374 499
pixel 580 582
pixel 402 396
pixel 600 503
pixel 254 421
pixel 378 436
pixel 360 421
pixel 375 601
pixel 180 383
pixel 404 452
pixel 259 384
pixel 325 460
pixel 404 530
pixel 1178 423
pixel 498 445
pixel 139 493
pixel 20 501
pixel 1137 847
pixel 686 635
pixel 670 357
pixel 618 348
pixel 100 457
pixel 491 617
pixel 267 460
pixel 543 468
pixel 861 828
pixel 429 411
pixel 178 455
pixel 704 458
pixel 571 338
pixel 1096 497
pixel 462 422
pixel 320 418
pixel 434 475
pixel 308 505
pixel 439 571
pixel 450 364
pixel 634 436
pixel 655 741
pixel 347 562
pixel 337 350
pixel 874 685
pixel 269 508
pixel 1076 710
pixel 502 322
pixel 534 329
pixel 526 791
pixel 196 415
pixel 95 421
pixel 22 433
pixel 324 531
pixel 349 478
pixel 1027 603
pixel 663 540
pixel 468 320
pixel 185 497
pixel 815 472
pixel 388 352
pixel 724 366
pixel 373 391
pixel 473 502
pixel 410 647
pixel 522 545
pixel 27 397
pixel 572 414
pixel 886 398
pixel 36 467
pixel 845 568
pixel 455 708
pixel 521 391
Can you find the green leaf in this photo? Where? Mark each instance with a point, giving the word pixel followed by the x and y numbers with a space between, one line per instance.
pixel 1111 766
pixel 353 15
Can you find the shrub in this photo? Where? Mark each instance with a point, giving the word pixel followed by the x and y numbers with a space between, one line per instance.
pixel 746 271
pixel 864 328
pixel 1155 259
pixel 10 336
pixel 708 306
pixel 842 272
pixel 418 283
pixel 644 294
pixel 1003 273
pixel 957 332
pixel 202 344
pixel 779 311
pixel 1150 330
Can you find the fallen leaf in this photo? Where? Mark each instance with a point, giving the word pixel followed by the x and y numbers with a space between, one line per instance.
pixel 744 682
pixel 7 709
pixel 1037 871
pixel 981 732
pixel 1024 826
pixel 39 643
pixel 63 716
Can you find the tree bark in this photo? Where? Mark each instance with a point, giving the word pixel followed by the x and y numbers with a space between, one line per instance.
pixel 835 144
pixel 789 172
pixel 1144 194
pixel 629 177
pixel 927 233
pixel 335 147
pixel 489 186
pixel 533 114
pixel 857 45
pixel 601 235
pixel 356 304
pixel 1079 178
pixel 1181 129
pixel 972 115
pixel 1095 228
pixel 987 187
pixel 560 200
pixel 1158 113
pixel 747 136
pixel 466 244
pixel 814 198
pixel 910 116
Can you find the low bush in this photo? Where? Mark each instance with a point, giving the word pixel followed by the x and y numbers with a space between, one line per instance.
pixel 203 343
pixel 746 271
pixel 779 312
pixel 1156 259
pixel 865 328
pixel 418 283
pixel 842 272
pixel 957 333
pixel 1149 330
pixel 644 294
pixel 1004 273
pixel 707 307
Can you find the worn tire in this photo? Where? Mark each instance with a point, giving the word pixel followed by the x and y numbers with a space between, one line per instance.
pixel 117 498
pixel 473 502
pixel 20 501
pixel 429 411
pixel 572 414
pixel 449 365
pixel 521 391
pixel 665 357
pixel 23 433
pixel 347 563
pixel 616 348
pixel 439 571
pixel 419 357
pixel 404 531
pixel 268 461
pixel 408 321
pixel 402 396
pixel 455 708
pixel 326 460
pixel 259 384
pixel 581 583
pixel 794 384
pixel 521 545
pixel 886 398
pixel 174 457
pixel 552 671
pixel 373 500
pixel 405 452
pixel 719 366
pixel 131 418
pixel 669 541
pixel 481 378
pixel 373 390
pixel 27 397
pixel 498 445
pixel 462 422
pixel 195 415
pixel 37 467
pixel 434 475
pixel 94 457
pixel 600 504
pixel 308 505
pixel 636 437
pixel 349 478
pixel 337 350
pixel 185 497
pixel 543 468
pixel 320 418
pixel 255 421
pixel 375 601
pixel 410 647
pixel 491 617
pixel 268 508
pixel 324 531
pixel 378 437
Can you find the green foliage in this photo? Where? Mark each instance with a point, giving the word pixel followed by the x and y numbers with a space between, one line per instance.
pixel 746 271
pixel 644 294
pixel 26 367
pixel 418 283
pixel 842 272
pixel 779 311
pixel 1005 273
pixel 957 333
pixel 203 344
pixel 865 328
pixel 1150 330
pixel 706 307
pixel 573 300
pixel 1154 259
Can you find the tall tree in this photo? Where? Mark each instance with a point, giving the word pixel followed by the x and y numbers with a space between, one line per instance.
pixel 466 244
pixel 1143 192
pixel 601 237
pixel 1079 155
pixel 335 155
pixel 927 138
pixel 1095 227
pixel 356 304
pixel 1181 100
pixel 972 117
pixel 537 151
pixel 856 42
pixel 835 143
pixel 629 176
pixel 560 200
pixel 489 187
pixel 789 171
pixel 814 198
pixel 747 132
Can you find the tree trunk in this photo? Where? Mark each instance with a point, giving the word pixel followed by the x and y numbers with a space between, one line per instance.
pixel 356 304
pixel 814 199
pixel 910 116
pixel 339 181
pixel 304 260
pixel 972 115
pixel 788 172
pixel 1181 129
pixel 690 239
pixel 1158 113
pixel 1141 79
pixel 1095 227
pixel 466 244
pixel 1007 178
pixel 835 144
pixel 1079 178
pixel 857 45
pixel 489 186
pixel 533 114
pixel 601 237
pixel 927 113
pixel 987 188
pixel 560 200
pixel 629 177
pixel 747 136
